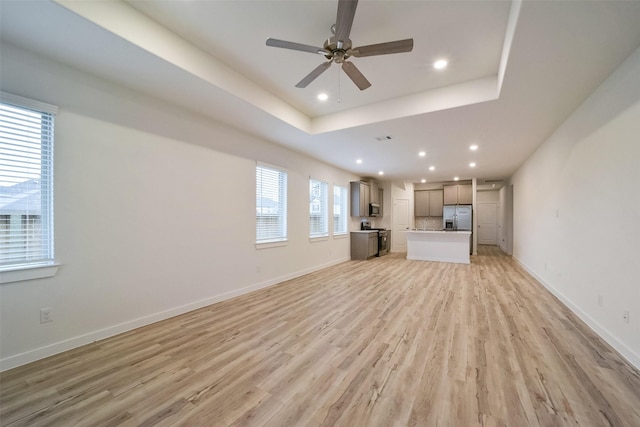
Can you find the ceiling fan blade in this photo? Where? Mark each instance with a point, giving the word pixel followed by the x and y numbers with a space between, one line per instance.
pixel 295 46
pixel 344 19
pixel 354 74
pixel 314 74
pixel 398 46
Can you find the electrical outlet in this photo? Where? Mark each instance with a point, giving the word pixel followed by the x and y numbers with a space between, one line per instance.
pixel 625 316
pixel 600 301
pixel 46 315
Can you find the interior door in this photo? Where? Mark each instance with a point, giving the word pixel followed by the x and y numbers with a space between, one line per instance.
pixel 400 225
pixel 487 223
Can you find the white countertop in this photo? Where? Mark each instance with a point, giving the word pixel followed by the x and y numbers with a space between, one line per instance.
pixel 364 231
pixel 437 232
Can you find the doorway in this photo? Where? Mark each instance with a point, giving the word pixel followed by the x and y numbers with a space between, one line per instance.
pixel 400 225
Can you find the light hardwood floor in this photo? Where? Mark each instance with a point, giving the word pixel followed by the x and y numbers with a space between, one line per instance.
pixel 384 342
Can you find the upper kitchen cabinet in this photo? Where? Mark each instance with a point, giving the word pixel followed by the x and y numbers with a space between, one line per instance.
pixel 421 203
pixel 360 198
pixel 428 202
pixel 374 192
pixel 458 194
pixel 435 202
pixel 363 195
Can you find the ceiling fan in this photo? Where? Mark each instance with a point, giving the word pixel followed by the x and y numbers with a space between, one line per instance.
pixel 338 48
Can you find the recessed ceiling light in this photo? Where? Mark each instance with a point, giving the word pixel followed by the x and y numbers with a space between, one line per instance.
pixel 422 153
pixel 455 178
pixel 472 165
pixel 432 168
pixel 423 181
pixel 440 64
pixel 381 173
pixel 473 147
pixel 323 96
pixel 359 161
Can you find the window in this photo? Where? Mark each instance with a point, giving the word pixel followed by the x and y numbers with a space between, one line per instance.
pixel 271 204
pixel 318 212
pixel 339 210
pixel 26 182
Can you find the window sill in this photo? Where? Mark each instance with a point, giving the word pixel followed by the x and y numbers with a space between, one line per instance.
pixel 318 238
pixel 28 272
pixel 275 244
pixel 341 236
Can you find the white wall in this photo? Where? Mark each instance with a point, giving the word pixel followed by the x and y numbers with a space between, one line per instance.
pixel 492 196
pixel 154 213
pixel 577 210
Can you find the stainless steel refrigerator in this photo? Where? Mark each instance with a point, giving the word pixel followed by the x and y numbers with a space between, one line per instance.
pixel 458 217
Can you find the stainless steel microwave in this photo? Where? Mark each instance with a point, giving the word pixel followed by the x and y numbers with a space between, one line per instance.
pixel 374 209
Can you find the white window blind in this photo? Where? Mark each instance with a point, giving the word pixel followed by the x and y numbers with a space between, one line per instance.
pixel 340 213
pixel 271 204
pixel 318 211
pixel 26 182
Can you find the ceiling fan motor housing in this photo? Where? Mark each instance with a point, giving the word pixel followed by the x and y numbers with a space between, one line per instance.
pixel 338 48
pixel 338 54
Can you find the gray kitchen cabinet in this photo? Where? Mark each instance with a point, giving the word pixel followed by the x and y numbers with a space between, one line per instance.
pixel 421 203
pixel 381 198
pixel 435 202
pixel 364 244
pixel 450 194
pixel 360 198
pixel 458 194
pixel 428 202
pixel 373 191
pixel 465 194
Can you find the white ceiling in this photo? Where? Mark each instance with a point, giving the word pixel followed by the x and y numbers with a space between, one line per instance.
pixel 516 71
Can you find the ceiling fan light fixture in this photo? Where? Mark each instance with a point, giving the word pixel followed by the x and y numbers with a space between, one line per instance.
pixel 440 64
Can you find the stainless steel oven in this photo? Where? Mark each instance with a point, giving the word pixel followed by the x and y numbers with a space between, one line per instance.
pixel 383 237
pixel 383 241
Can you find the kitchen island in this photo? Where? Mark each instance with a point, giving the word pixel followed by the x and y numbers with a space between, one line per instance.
pixel 443 246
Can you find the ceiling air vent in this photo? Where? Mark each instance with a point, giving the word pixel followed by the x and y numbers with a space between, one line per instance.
pixel 383 138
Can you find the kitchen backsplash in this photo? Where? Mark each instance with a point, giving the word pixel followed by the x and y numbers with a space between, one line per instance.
pixel 434 222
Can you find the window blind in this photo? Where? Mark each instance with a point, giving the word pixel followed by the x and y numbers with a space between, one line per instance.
pixel 318 211
pixel 340 213
pixel 26 182
pixel 271 204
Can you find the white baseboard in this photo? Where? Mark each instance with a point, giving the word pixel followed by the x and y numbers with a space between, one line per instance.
pixel 78 341
pixel 628 354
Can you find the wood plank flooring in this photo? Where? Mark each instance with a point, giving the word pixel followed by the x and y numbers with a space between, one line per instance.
pixel 384 342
